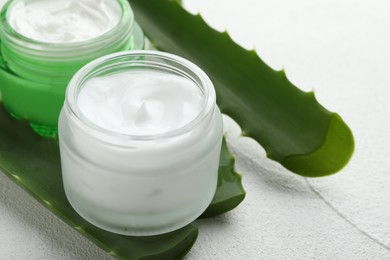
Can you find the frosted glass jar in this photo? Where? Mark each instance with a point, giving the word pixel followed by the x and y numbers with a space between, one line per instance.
pixel 34 74
pixel 140 184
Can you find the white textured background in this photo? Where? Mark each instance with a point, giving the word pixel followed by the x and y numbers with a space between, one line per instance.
pixel 339 48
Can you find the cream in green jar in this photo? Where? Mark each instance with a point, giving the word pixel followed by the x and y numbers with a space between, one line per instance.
pixel 44 43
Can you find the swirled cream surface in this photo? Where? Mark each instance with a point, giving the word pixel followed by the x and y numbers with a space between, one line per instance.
pixel 63 21
pixel 140 102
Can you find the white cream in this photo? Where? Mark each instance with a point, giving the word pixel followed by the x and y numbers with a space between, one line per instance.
pixel 64 21
pixel 141 102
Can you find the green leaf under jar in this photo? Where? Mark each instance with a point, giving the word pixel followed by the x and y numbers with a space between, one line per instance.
pixel 230 192
pixel 290 124
pixel 34 164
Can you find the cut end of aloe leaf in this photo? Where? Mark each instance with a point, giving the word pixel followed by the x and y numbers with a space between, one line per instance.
pixel 333 154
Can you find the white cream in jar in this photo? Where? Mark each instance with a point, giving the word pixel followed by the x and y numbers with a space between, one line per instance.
pixel 45 42
pixel 64 21
pixel 140 102
pixel 140 138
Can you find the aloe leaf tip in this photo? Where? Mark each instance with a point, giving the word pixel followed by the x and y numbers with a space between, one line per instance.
pixel 333 154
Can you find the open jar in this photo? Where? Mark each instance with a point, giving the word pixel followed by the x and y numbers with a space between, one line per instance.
pixel 140 138
pixel 36 68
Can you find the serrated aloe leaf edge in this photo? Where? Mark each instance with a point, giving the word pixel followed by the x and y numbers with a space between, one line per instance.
pixel 294 129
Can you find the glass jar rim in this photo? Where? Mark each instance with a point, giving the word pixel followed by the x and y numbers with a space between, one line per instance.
pixel 203 81
pixel 6 27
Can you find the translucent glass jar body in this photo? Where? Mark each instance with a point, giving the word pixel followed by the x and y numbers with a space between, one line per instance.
pixel 35 74
pixel 141 185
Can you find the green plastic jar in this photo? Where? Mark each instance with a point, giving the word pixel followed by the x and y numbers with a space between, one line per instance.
pixel 34 74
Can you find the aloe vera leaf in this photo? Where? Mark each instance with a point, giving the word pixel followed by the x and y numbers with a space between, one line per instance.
pixel 294 129
pixel 34 164
pixel 230 192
